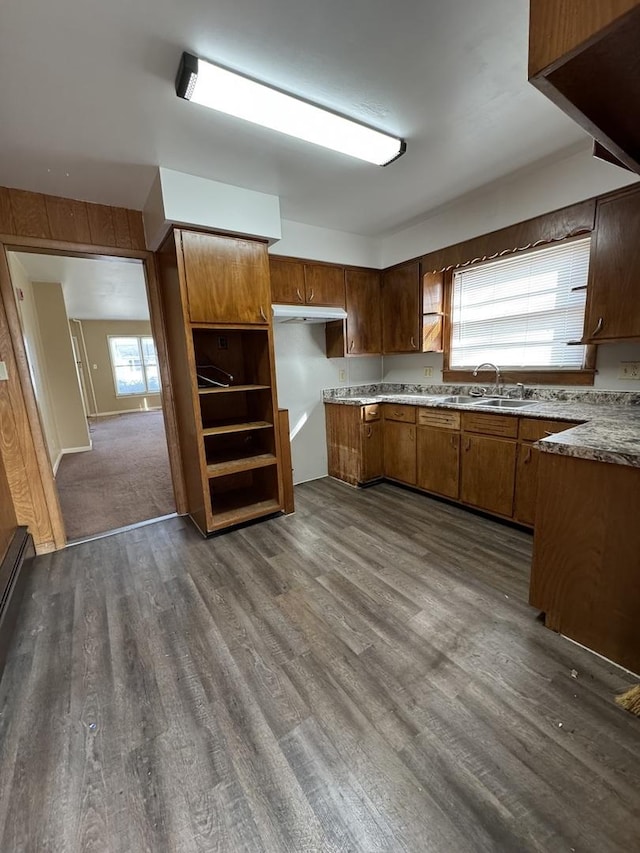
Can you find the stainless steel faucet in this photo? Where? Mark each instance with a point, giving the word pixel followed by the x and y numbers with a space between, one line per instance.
pixel 493 367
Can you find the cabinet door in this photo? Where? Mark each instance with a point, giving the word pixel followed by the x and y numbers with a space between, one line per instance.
pixel 439 461
pixel 324 285
pixel 400 452
pixel 526 484
pixel 343 441
pixel 371 451
pixel 488 473
pixel 613 295
pixel 227 279
pixel 364 321
pixel 287 281
pixel 401 309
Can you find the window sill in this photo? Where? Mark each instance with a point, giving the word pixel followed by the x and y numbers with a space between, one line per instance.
pixel 533 376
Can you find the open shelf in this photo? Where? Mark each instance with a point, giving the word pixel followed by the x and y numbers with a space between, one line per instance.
pixel 224 428
pixel 243 495
pixel 238 508
pixel 233 388
pixel 236 464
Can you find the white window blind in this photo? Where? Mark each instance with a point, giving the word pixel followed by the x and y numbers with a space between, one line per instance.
pixel 521 311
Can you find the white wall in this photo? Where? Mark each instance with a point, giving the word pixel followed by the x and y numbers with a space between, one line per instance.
pixel 62 373
pixel 409 369
pixel 35 356
pixel 324 244
pixel 530 192
pixel 303 371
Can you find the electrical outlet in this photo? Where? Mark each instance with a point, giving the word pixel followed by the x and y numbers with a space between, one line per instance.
pixel 342 375
pixel 428 372
pixel 3 371
pixel 629 370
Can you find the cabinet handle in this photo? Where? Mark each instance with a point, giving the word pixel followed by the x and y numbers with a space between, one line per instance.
pixel 397 414
pixel 369 432
pixel 412 342
pixel 527 458
pixel 311 296
pixel 351 346
pixel 299 295
pixel 548 432
pixel 598 327
pixel 411 435
pixel 467 445
pixel 454 441
pixel 262 314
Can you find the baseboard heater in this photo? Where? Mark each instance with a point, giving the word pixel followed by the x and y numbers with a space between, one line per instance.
pixel 12 580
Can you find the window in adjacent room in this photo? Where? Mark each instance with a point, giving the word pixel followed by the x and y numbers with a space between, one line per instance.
pixel 521 311
pixel 135 365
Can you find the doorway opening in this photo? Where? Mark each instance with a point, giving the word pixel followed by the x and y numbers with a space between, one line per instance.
pixel 94 370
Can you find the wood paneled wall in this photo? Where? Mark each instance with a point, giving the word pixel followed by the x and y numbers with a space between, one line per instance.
pixel 47 217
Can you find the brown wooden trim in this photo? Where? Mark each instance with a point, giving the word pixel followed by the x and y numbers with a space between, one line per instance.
pixel 50 535
pixel 288 505
pixel 158 329
pixel 528 377
pixel 21 437
pixel 569 221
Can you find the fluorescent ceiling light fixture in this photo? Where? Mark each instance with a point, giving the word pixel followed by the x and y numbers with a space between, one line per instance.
pixel 212 86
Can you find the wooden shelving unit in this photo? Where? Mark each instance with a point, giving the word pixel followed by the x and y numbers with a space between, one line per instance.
pixel 229 432
pixel 225 429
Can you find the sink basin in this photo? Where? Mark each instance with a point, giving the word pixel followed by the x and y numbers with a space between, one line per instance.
pixel 504 403
pixel 461 399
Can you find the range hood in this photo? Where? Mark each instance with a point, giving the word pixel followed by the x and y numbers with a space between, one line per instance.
pixel 307 313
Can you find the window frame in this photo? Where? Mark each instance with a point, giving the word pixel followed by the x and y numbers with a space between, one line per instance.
pixel 147 392
pixel 530 376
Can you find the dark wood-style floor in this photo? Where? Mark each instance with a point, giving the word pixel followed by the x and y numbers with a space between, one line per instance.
pixel 362 676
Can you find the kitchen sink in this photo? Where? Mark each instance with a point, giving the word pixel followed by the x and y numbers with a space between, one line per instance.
pixel 504 403
pixel 461 399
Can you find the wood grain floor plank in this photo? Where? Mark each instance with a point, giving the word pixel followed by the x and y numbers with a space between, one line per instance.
pixel 364 675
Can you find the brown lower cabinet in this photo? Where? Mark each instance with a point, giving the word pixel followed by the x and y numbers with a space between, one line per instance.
pixel 354 443
pixel 400 461
pixel 439 461
pixel 524 509
pixel 483 460
pixel 488 473
pixel 586 555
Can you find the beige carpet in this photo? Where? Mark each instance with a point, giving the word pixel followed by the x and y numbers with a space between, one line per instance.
pixel 123 480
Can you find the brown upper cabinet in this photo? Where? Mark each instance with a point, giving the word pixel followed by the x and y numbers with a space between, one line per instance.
pixel 613 293
pixel 401 309
pixel 585 58
pixel 361 332
pixel 227 278
pixel 412 310
pixel 298 283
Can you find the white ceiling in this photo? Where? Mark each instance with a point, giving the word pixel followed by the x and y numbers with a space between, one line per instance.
pixel 93 289
pixel 88 102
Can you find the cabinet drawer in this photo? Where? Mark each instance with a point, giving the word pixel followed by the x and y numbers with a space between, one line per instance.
pixel 439 418
pixel 371 413
pixel 533 430
pixel 503 425
pixel 406 414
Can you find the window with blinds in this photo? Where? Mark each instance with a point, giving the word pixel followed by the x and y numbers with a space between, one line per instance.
pixel 521 311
